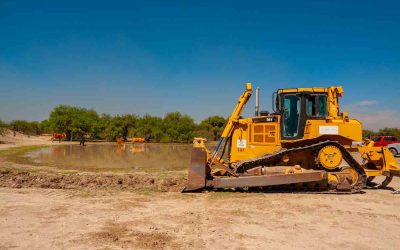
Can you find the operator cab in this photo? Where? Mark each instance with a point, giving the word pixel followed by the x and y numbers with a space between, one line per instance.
pixel 296 106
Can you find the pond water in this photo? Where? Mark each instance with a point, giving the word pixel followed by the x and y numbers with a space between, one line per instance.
pixel 143 157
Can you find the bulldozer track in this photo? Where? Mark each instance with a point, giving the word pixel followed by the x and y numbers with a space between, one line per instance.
pixel 271 159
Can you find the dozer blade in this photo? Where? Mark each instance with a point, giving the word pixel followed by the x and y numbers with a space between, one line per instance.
pixel 198 170
pixel 390 162
pixel 268 180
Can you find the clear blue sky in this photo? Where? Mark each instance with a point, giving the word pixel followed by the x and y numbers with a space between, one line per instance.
pixel 195 56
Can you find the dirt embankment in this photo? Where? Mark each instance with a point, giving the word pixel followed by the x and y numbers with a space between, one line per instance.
pixel 23 179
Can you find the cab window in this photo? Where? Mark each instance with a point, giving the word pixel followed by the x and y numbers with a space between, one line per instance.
pixel 317 105
pixel 291 105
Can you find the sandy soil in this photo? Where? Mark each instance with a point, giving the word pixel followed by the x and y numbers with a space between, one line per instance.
pixel 8 140
pixel 73 219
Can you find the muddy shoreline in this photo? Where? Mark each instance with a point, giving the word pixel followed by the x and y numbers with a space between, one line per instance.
pixel 135 182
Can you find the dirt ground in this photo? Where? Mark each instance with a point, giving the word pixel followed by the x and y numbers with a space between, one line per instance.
pixel 75 219
pixel 47 210
pixel 115 218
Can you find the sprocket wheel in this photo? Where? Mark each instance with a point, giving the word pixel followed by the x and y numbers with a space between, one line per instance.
pixel 330 157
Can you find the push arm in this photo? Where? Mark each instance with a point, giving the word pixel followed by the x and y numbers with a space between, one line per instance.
pixel 233 118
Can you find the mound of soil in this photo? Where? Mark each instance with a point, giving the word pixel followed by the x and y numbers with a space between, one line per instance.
pixel 18 179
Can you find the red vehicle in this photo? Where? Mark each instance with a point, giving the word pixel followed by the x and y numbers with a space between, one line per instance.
pixel 382 141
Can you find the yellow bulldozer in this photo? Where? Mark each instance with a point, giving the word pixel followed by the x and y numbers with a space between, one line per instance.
pixel 305 143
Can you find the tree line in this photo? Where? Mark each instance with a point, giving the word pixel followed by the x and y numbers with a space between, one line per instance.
pixel 76 121
pixel 173 127
pixel 385 131
pixel 3 126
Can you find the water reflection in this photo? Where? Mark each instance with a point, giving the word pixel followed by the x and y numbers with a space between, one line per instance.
pixel 125 157
pixel 137 148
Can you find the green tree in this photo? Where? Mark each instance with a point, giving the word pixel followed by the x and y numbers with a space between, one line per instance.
pixel 104 123
pixel 178 128
pixel 73 120
pixel 26 127
pixel 45 127
pixel 212 127
pixel 118 126
pixel 3 127
pixel 85 122
pixel 366 133
pixel 61 119
pixel 150 128
pixel 385 131
pixel 390 131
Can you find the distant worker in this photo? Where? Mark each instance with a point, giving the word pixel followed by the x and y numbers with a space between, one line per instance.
pixel 396 191
pixel 83 140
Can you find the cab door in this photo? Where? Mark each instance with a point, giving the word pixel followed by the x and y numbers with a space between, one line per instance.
pixel 293 117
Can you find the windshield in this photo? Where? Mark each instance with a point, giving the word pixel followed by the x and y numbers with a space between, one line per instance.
pixel 316 105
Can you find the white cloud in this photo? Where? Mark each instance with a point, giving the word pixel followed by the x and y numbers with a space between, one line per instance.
pixel 366 103
pixel 373 118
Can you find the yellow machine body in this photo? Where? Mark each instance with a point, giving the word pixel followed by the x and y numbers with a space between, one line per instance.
pixel 265 137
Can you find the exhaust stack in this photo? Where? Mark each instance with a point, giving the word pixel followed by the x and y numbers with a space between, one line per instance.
pixel 256 108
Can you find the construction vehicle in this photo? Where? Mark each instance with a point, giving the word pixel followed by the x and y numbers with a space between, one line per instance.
pixel 306 143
